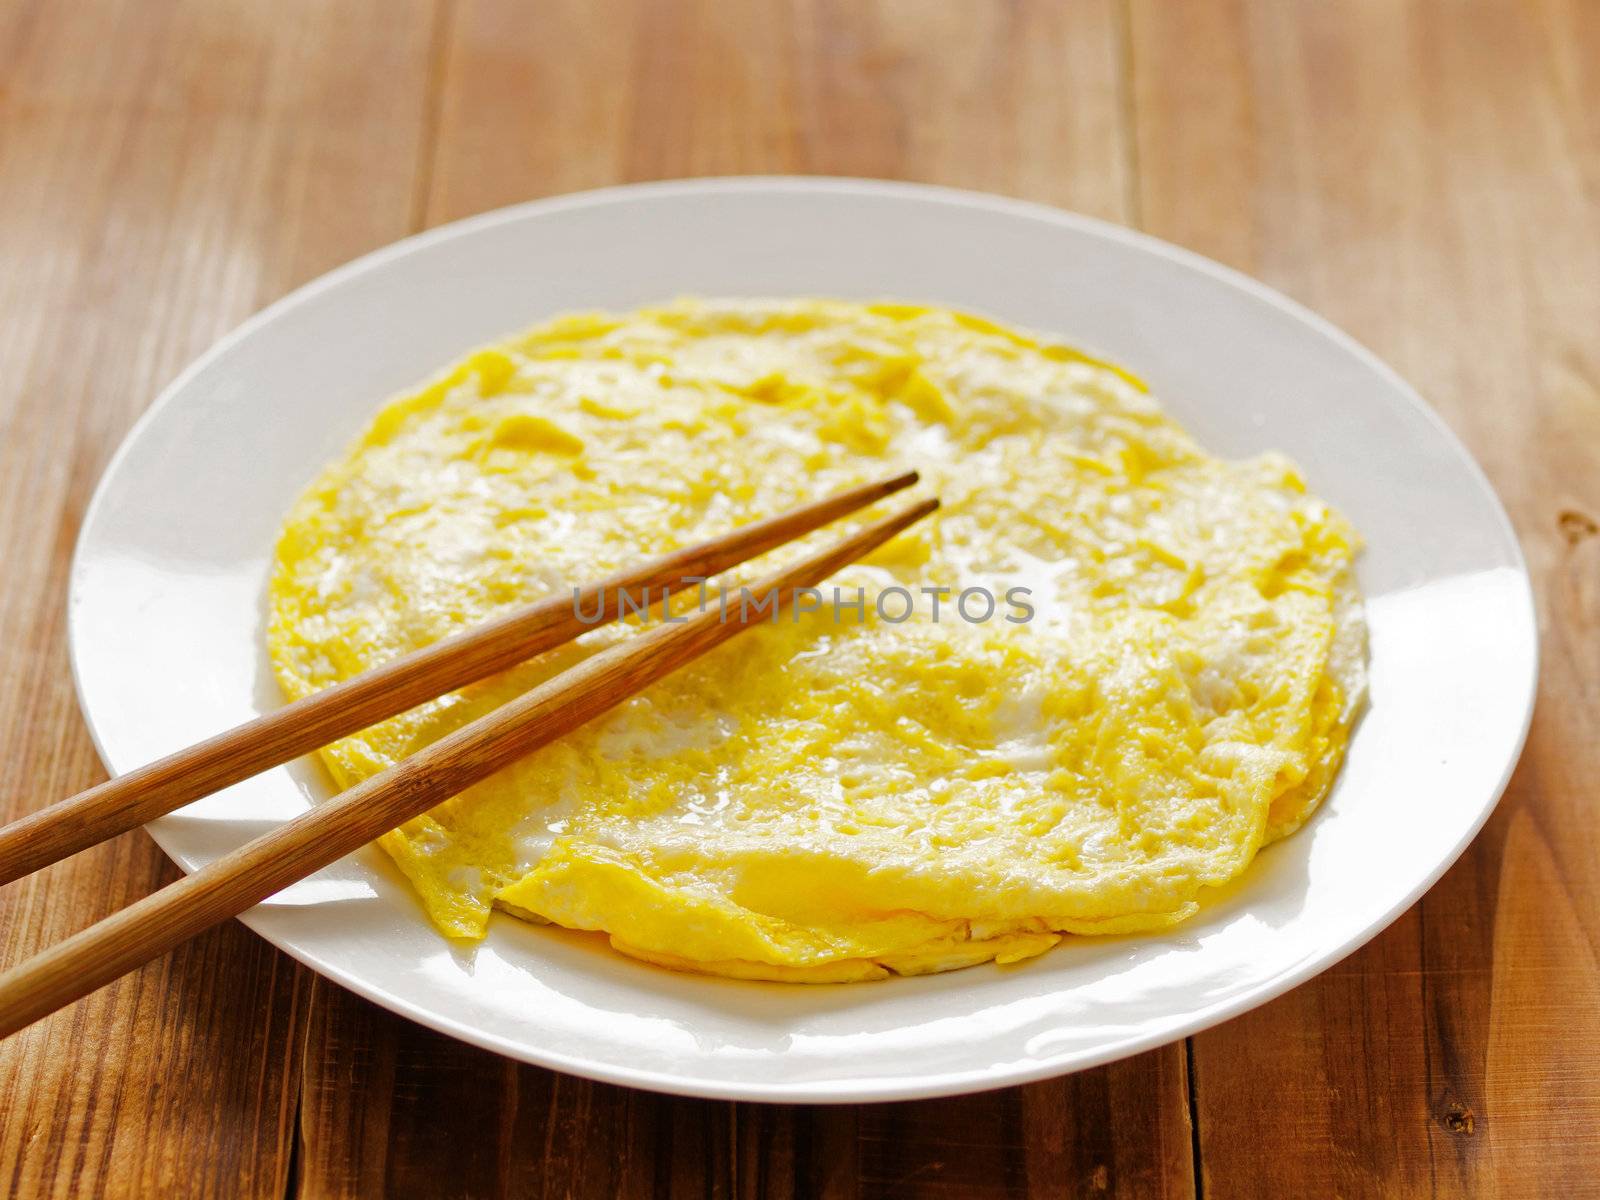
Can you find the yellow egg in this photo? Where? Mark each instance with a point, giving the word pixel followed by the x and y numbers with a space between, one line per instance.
pixel 1145 661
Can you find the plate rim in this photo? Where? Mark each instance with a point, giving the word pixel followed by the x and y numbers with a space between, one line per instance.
pixel 938 1084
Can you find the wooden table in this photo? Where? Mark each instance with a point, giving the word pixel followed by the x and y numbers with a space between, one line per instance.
pixel 1426 174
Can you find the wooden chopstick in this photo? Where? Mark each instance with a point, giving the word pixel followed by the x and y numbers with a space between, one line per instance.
pixel 141 795
pixel 356 816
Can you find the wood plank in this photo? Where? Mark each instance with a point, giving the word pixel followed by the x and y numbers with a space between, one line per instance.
pixel 393 1109
pixel 1425 174
pixel 164 170
pixel 1023 98
pixel 397 1110
pixel 1117 1130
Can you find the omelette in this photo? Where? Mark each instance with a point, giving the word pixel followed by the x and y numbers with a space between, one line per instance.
pixel 1093 685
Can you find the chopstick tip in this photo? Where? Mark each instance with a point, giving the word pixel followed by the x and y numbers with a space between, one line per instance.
pixel 913 513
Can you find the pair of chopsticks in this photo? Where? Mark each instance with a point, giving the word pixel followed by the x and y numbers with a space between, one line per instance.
pixel 327 832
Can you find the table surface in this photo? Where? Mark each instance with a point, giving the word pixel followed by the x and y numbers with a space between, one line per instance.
pixel 1426 174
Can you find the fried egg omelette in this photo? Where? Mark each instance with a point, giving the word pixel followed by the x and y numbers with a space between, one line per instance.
pixel 1166 682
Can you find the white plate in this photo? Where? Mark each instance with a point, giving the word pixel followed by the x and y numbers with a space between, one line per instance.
pixel 167 590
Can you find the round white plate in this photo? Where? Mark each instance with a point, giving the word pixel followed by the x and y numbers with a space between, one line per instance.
pixel 167 594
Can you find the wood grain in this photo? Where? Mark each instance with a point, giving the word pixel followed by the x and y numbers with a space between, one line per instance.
pixel 394 1110
pixel 1424 174
pixel 390 1109
pixel 1024 98
pixel 164 170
